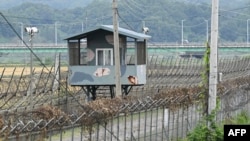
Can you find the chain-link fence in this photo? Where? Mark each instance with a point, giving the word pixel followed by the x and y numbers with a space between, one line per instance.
pixel 166 108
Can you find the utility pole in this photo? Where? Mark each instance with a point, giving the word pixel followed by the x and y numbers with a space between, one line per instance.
pixel 213 74
pixel 182 32
pixel 247 32
pixel 86 20
pixel 117 50
pixel 207 30
pixel 21 32
pixel 55 33
pixel 31 31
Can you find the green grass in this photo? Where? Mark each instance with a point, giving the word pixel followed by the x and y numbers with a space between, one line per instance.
pixel 215 131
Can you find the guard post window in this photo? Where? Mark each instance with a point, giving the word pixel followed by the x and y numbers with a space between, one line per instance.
pixel 104 57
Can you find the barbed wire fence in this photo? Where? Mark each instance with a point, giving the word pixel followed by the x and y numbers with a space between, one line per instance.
pixel 166 108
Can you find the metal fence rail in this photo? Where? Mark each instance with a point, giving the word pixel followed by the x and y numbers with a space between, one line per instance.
pixel 164 109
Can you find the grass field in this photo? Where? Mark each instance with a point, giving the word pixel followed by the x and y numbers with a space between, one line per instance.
pixel 6 71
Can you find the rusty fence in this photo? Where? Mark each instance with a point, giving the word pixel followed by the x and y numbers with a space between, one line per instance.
pixel 166 108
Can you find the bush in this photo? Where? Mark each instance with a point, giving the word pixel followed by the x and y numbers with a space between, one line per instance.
pixel 206 132
pixel 214 131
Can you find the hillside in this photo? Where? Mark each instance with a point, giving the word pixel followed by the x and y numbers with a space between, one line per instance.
pixel 164 19
pixel 57 4
pixel 69 4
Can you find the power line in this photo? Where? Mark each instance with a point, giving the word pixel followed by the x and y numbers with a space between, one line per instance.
pixel 131 10
pixel 239 8
pixel 54 20
pixel 124 21
pixel 230 17
pixel 232 11
pixel 223 10
pixel 13 29
pixel 136 5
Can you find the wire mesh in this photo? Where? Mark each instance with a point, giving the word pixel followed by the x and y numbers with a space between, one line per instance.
pixel 163 109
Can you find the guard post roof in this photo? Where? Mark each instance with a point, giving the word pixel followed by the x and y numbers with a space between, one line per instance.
pixel 121 31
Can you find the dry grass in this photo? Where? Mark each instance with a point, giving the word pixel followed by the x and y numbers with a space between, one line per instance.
pixel 17 71
pixel 48 112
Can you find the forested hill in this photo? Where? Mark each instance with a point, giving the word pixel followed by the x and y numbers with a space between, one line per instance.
pixel 57 4
pixel 69 4
pixel 166 19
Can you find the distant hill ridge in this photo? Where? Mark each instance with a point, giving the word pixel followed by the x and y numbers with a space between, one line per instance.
pixel 164 18
pixel 70 4
pixel 57 4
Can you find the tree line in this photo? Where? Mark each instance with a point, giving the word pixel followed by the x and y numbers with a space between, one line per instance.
pixel 168 21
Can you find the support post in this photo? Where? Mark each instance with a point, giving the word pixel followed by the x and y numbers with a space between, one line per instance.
pixel 213 74
pixel 182 32
pixel 117 50
pixel 247 32
pixel 56 83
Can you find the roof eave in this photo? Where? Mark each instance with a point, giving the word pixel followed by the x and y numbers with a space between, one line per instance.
pixel 121 31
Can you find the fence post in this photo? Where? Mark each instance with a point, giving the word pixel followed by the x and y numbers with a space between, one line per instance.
pixel 56 84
